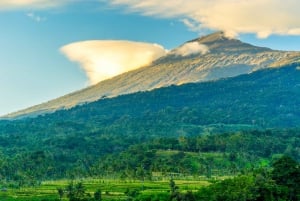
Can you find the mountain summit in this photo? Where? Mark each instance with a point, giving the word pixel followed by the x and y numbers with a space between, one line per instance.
pixel 207 58
pixel 218 42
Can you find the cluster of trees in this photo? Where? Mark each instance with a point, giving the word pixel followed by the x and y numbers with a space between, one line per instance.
pixel 205 155
pixel 282 182
pixel 279 182
pixel 77 192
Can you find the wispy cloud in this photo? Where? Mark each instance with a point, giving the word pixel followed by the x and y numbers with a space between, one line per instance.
pixel 31 4
pixel 35 17
pixel 105 59
pixel 190 48
pixel 191 24
pixel 262 17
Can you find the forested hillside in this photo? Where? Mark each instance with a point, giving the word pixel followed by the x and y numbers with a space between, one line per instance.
pixel 79 141
pixel 205 155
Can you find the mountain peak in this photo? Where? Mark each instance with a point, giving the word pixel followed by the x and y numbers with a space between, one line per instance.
pixel 219 42
pixel 218 36
pixel 214 37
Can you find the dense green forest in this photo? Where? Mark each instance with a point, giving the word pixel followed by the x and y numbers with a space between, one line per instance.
pixel 231 127
pixel 203 156
pixel 282 182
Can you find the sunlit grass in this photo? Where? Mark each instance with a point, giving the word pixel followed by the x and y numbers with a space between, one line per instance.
pixel 111 189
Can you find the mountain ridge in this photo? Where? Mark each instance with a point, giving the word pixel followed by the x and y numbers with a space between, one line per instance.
pixel 225 58
pixel 219 42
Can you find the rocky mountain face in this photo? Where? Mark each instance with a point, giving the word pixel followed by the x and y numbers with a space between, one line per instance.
pixel 207 58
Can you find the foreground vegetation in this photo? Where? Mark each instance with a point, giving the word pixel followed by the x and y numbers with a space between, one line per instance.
pixel 280 182
pixel 110 189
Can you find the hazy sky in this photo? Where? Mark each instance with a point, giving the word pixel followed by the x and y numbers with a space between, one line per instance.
pixel 45 44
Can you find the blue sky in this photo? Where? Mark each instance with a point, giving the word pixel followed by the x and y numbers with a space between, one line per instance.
pixel 33 69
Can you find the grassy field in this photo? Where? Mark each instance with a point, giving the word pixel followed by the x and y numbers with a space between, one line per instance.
pixel 111 189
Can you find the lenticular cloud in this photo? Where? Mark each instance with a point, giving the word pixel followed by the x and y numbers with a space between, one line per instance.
pixel 262 17
pixel 105 59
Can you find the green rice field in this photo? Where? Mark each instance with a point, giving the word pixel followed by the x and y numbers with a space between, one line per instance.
pixel 110 189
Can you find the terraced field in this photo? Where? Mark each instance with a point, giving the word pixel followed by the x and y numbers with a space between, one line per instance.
pixel 111 189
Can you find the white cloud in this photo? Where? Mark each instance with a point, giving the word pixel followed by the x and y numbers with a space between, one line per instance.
pixel 190 48
pixel 262 17
pixel 31 4
pixel 191 24
pixel 105 59
pixel 35 17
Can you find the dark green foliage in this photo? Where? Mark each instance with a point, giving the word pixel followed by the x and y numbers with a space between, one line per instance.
pixel 70 191
pixel 175 195
pixel 238 189
pixel 123 136
pixel 133 193
pixel 98 195
pixel 286 173
pixel 60 192
pixel 209 155
pixel 189 196
pixel 76 192
pixel 155 197
pixel 262 185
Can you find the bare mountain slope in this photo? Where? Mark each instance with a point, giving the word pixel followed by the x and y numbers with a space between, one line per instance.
pixel 222 57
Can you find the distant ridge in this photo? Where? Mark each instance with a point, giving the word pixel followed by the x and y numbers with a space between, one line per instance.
pixel 226 57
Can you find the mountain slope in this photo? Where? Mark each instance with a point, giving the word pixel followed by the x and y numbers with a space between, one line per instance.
pixel 268 98
pixel 225 58
pixel 271 94
pixel 77 137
